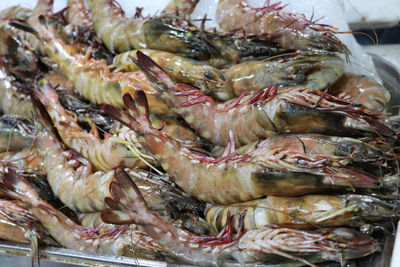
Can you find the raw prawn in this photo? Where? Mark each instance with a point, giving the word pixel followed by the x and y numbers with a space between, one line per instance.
pixel 116 149
pixel 290 31
pixel 170 34
pixel 122 34
pixel 90 77
pixel 104 154
pixel 71 177
pixel 181 69
pixel 306 212
pixel 265 113
pixel 244 247
pixel 117 241
pixel 301 70
pixel 232 178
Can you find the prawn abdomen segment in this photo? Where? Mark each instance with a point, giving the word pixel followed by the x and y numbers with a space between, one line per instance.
pixel 218 183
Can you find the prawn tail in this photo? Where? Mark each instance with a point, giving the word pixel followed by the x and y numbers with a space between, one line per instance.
pixel 126 202
pixel 137 115
pixel 17 187
pixel 138 108
pixel 156 74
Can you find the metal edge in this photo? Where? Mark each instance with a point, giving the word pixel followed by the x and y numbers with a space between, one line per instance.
pixel 76 257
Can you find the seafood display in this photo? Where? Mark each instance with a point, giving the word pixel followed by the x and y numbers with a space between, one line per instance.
pixel 160 139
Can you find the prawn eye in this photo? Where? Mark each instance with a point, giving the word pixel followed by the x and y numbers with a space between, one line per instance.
pixel 209 75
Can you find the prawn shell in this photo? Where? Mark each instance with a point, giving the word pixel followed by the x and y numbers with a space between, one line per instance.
pixel 362 90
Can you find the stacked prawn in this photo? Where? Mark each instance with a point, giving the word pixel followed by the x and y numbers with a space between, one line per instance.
pixel 246 145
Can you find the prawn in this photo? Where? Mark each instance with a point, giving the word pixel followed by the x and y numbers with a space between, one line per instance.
pixel 104 154
pixel 117 241
pixel 305 212
pixel 92 78
pixel 70 175
pixel 362 90
pixel 170 34
pixel 108 153
pixel 122 34
pixel 17 223
pixel 290 31
pixel 265 113
pixel 232 178
pixel 245 247
pixel 301 70
pixel 181 69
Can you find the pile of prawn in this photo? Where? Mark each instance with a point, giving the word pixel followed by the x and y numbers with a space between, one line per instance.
pixel 151 137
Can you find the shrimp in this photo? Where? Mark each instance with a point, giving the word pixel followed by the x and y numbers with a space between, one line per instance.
pixel 92 78
pixel 185 221
pixel 250 246
pixel 181 69
pixel 17 223
pixel 182 8
pixel 362 90
pixel 16 132
pixel 72 180
pixel 313 72
pixel 265 113
pixel 232 178
pixel 169 34
pixel 103 154
pixel 111 152
pixel 290 31
pixel 310 211
pixel 301 70
pixel 118 241
pixel 71 99
pixel 122 34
